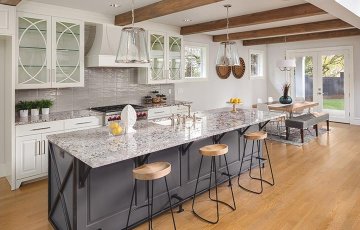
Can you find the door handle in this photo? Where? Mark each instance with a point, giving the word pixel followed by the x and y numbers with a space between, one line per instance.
pixel 38 150
pixel 43 147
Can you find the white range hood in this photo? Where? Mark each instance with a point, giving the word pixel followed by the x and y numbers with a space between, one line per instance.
pixel 105 47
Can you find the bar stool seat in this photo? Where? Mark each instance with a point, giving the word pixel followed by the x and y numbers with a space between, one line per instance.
pixel 214 150
pixel 260 135
pixel 152 171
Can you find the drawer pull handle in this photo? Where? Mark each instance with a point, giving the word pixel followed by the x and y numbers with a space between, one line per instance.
pixel 43 149
pixel 160 112
pixel 83 123
pixel 40 129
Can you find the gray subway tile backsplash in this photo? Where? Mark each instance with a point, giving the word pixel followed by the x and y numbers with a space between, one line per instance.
pixel 103 86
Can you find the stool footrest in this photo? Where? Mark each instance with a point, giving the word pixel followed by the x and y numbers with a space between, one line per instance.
pixel 261 158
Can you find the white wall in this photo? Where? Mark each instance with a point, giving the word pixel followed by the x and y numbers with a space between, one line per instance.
pixel 214 92
pixel 276 52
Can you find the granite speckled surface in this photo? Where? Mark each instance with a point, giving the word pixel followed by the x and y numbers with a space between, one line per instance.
pixel 96 147
pixel 167 104
pixel 56 117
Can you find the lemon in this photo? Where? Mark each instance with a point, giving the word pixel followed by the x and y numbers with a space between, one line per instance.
pixel 114 125
pixel 116 131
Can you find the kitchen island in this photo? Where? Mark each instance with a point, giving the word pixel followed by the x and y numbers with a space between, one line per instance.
pixel 90 171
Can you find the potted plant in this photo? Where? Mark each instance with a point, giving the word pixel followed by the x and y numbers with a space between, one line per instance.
pixel 23 108
pixel 45 105
pixel 285 98
pixel 35 107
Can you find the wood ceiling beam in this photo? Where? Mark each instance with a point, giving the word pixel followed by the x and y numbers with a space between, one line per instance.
pixel 285 13
pixel 10 2
pixel 303 37
pixel 335 24
pixel 159 9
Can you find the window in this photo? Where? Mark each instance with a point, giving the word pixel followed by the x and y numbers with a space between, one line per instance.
pixel 256 64
pixel 196 61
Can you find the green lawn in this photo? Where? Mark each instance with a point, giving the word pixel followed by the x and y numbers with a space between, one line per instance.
pixel 335 104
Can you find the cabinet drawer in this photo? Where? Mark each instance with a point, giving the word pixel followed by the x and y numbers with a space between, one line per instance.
pixel 83 122
pixel 39 128
pixel 159 112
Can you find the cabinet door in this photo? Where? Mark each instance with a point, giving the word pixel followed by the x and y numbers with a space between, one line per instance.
pixel 158 68
pixel 175 58
pixel 7 20
pixel 44 151
pixel 67 53
pixel 28 156
pixel 34 54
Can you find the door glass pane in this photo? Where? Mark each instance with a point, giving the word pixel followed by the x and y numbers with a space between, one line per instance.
pixel 67 52
pixel 157 56
pixel 304 78
pixel 333 82
pixel 32 66
pixel 175 58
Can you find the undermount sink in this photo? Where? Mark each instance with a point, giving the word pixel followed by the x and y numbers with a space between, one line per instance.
pixel 167 121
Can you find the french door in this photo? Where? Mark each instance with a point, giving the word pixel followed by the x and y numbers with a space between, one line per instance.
pixel 323 76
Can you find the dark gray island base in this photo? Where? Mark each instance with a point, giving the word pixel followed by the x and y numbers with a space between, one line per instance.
pixel 85 197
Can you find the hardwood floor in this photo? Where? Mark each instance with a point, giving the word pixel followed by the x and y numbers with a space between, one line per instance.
pixel 317 187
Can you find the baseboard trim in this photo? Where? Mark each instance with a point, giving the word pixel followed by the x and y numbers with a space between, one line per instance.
pixel 355 121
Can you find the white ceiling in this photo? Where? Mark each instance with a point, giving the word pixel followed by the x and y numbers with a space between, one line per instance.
pixel 198 15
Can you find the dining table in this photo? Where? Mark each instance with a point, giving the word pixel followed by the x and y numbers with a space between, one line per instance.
pixel 292 108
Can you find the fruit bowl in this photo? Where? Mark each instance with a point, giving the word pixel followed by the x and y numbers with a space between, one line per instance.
pixel 115 129
pixel 234 102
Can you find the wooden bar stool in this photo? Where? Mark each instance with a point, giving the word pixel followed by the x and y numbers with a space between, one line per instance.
pixel 213 151
pixel 256 136
pixel 151 172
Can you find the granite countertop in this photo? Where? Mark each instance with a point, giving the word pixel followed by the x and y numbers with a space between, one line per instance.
pixel 96 147
pixel 56 117
pixel 167 104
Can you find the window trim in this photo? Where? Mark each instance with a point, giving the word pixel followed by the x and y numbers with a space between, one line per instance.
pixel 261 53
pixel 204 46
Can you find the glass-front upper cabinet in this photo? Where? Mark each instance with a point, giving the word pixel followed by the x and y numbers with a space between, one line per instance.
pixel 157 54
pixel 50 52
pixel 34 48
pixel 175 58
pixel 166 59
pixel 68 53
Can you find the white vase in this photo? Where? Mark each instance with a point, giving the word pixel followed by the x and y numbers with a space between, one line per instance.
pixel 45 111
pixel 128 117
pixel 34 112
pixel 24 113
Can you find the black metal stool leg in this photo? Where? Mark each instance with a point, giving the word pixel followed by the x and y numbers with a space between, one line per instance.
pixel 152 204
pixel 148 206
pixel 216 192
pixel 197 181
pixel 171 209
pixel 232 193
pixel 132 199
pixel 242 161
pixel 268 156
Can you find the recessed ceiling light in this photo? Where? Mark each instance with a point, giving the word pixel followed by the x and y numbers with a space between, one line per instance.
pixel 115 5
pixel 187 20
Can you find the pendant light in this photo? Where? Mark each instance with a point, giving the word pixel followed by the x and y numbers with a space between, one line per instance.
pixel 227 53
pixel 133 44
pixel 286 64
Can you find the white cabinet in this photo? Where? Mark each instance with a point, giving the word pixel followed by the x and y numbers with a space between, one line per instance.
pixel 159 112
pixel 166 53
pixel 7 20
pixel 32 145
pixel 50 52
pixel 28 156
